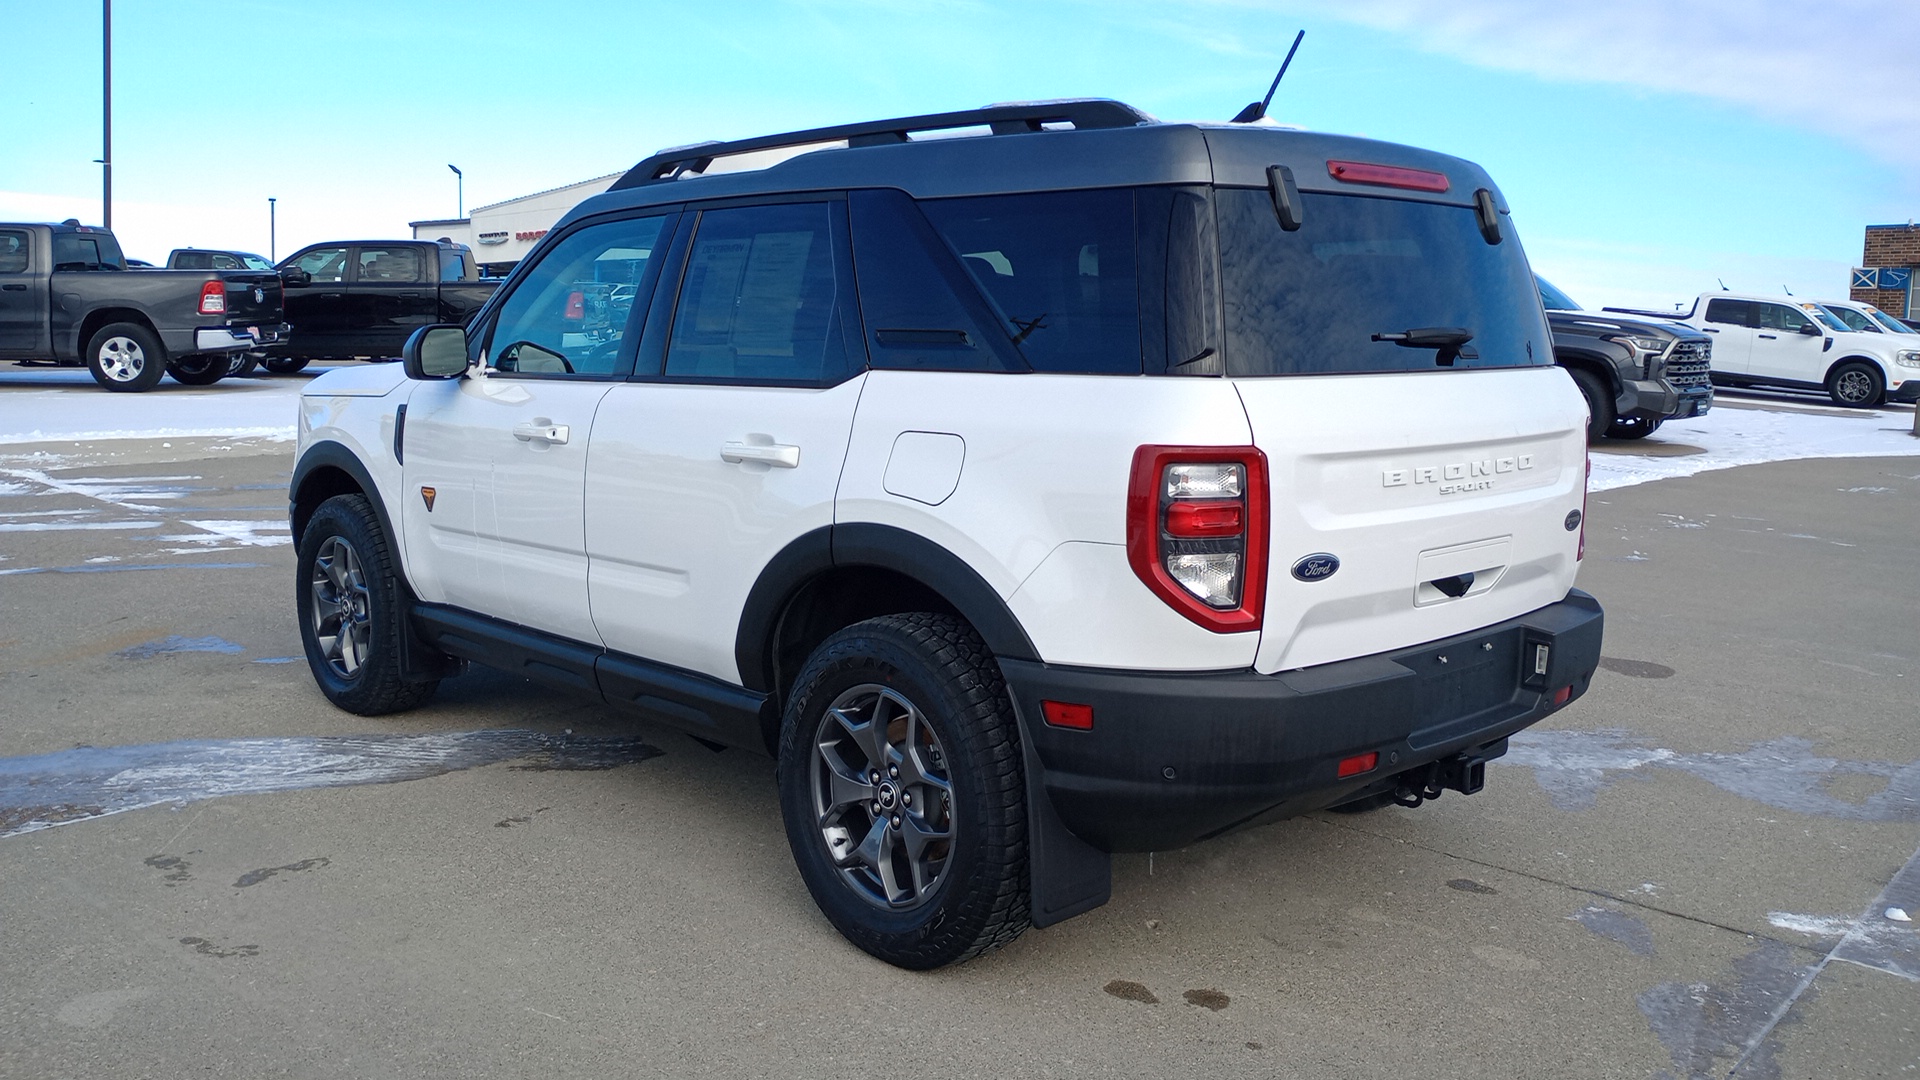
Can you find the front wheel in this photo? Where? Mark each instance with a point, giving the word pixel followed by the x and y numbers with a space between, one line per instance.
pixel 903 792
pixel 126 357
pixel 351 610
pixel 1857 385
pixel 1600 414
pixel 200 369
pixel 1632 427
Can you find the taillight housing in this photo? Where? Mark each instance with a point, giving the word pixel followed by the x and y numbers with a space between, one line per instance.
pixel 576 306
pixel 1197 531
pixel 213 298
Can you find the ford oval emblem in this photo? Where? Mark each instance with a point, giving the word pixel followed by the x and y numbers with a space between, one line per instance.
pixel 1316 567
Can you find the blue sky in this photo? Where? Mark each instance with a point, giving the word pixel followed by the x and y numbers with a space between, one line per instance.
pixel 1647 147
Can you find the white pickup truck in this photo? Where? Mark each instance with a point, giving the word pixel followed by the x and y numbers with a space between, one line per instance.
pixel 1773 341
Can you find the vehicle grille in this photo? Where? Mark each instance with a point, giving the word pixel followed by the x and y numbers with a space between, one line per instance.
pixel 1687 364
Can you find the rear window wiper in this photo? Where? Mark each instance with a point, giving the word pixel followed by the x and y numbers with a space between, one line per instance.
pixel 1450 341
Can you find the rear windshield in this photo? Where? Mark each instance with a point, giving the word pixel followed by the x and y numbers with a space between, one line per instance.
pixel 1372 285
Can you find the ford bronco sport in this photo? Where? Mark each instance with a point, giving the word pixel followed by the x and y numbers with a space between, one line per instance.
pixel 1078 485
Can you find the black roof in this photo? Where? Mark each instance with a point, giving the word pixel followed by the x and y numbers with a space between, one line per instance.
pixel 1036 146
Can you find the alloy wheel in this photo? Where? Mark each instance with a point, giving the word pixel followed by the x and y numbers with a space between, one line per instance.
pixel 341 606
pixel 122 359
pixel 883 797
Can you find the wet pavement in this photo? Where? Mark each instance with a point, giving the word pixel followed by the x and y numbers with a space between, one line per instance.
pixel 1706 867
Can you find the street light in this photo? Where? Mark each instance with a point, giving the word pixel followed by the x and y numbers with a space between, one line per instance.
pixel 106 114
pixel 273 255
pixel 460 186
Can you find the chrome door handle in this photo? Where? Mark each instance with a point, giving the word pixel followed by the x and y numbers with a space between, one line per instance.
pixel 775 454
pixel 541 432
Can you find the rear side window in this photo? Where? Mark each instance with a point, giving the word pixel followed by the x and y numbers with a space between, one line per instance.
pixel 1362 276
pixel 1730 312
pixel 921 309
pixel 760 298
pixel 193 260
pixel 453 265
pixel 13 251
pixel 1059 270
pixel 401 265
pixel 85 252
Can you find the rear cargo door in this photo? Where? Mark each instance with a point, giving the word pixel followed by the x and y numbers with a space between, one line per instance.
pixel 1423 453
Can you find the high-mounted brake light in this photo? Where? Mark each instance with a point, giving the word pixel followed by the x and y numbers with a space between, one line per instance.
pixel 213 298
pixel 1361 172
pixel 1197 531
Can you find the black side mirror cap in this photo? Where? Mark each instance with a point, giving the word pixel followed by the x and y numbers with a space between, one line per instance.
pixel 1810 330
pixel 295 278
pixel 435 352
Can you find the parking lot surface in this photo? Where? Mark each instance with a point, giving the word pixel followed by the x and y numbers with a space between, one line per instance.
pixel 1706 867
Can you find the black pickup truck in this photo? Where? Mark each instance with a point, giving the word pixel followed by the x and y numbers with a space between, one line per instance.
pixel 66 297
pixel 1635 373
pixel 360 299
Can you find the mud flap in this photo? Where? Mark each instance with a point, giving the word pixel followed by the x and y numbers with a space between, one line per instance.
pixel 1066 875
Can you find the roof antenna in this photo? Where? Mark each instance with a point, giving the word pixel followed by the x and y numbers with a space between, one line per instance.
pixel 1723 283
pixel 1258 109
pixel 1786 290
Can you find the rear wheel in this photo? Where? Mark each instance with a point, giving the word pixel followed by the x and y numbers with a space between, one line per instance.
pixel 284 365
pixel 1857 385
pixel 1599 402
pixel 243 364
pixel 1632 427
pixel 902 788
pixel 200 369
pixel 126 357
pixel 351 610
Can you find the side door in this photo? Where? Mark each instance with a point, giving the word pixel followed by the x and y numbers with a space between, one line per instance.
pixel 504 450
pixel 317 311
pixel 23 298
pixel 1787 345
pixel 1731 324
pixel 729 443
pixel 390 295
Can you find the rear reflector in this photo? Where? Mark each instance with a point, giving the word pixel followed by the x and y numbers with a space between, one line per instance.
pixel 1359 763
pixel 1068 715
pixel 1361 172
pixel 1561 696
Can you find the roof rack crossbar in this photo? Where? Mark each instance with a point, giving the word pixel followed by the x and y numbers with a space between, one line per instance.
pixel 1001 119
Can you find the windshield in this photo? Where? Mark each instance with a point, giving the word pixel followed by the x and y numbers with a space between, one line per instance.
pixel 1828 318
pixel 1372 285
pixel 1855 319
pixel 1552 298
pixel 1892 324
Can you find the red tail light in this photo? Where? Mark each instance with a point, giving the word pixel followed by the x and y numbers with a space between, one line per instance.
pixel 1197 531
pixel 576 306
pixel 1361 172
pixel 213 298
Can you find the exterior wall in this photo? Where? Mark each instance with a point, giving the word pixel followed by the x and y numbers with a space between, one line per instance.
pixel 1889 245
pixel 504 232
pixel 458 230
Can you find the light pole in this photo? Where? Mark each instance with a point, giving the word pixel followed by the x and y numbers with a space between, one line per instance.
pixel 106 114
pixel 273 254
pixel 460 186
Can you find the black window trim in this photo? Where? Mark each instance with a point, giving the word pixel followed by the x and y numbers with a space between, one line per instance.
pixel 666 301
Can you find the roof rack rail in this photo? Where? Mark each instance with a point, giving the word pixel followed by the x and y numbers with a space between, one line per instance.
pixel 1003 119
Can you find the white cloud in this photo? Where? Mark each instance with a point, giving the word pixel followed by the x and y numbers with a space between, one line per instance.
pixel 1847 67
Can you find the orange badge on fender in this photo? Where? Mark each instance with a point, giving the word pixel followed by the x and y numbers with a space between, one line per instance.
pixel 426 495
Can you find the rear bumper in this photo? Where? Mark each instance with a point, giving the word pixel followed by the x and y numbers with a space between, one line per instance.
pixel 230 338
pixel 1173 758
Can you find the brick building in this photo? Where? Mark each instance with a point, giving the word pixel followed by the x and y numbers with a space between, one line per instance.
pixel 1888 247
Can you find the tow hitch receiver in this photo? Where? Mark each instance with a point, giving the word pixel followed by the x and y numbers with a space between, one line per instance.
pixel 1465 772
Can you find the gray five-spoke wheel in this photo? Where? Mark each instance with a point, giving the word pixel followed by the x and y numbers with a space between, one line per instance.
pixel 341 606
pixel 882 796
pixel 1853 386
pixel 122 359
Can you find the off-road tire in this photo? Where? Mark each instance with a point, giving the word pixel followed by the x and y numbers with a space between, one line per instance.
pixel 938 664
pixel 284 365
pixel 1600 415
pixel 1856 384
pixel 200 369
pixel 372 684
pixel 126 358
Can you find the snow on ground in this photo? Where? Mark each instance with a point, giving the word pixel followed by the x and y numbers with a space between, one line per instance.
pixel 64 405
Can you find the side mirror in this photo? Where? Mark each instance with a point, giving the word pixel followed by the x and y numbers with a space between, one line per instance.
pixel 435 352
pixel 295 278
pixel 1810 329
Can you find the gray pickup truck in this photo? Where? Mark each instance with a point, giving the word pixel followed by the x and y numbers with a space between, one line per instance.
pixel 1635 373
pixel 67 298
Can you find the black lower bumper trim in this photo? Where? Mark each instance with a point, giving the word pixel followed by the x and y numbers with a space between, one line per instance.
pixel 1173 758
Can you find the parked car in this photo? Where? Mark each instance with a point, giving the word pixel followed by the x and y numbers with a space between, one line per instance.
pixel 212 259
pixel 1773 341
pixel 66 297
pixel 360 299
pixel 1635 374
pixel 1090 484
pixel 1863 318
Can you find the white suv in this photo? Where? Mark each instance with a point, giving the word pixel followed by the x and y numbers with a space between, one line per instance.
pixel 1090 484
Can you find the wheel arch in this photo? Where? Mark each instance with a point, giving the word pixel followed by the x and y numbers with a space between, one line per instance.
pixel 838 575
pixel 328 469
pixel 1856 358
pixel 91 323
pixel 1595 363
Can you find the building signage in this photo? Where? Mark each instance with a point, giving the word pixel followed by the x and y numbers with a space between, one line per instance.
pixel 1891 278
pixel 493 237
pixel 530 234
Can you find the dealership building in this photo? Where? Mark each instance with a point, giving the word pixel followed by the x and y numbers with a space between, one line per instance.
pixel 1885 276
pixel 502 234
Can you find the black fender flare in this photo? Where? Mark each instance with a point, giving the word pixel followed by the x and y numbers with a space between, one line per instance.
pixel 329 454
pixel 885 547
